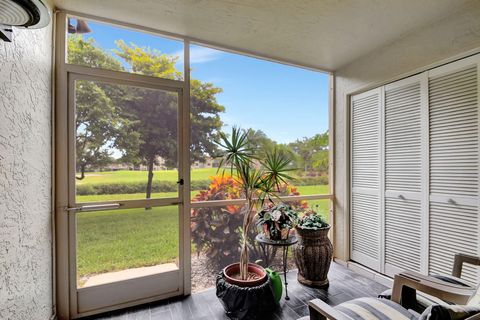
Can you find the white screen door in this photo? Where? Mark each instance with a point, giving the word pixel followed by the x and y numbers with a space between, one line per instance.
pixel 125 192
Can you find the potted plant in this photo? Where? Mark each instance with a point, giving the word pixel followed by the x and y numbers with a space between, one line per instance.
pixel 260 181
pixel 277 220
pixel 314 250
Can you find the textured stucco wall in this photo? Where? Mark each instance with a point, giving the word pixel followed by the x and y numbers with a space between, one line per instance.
pixel 449 37
pixel 25 176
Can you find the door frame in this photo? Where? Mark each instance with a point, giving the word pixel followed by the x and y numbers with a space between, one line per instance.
pixel 422 74
pixel 59 162
pixel 109 294
pixel 65 264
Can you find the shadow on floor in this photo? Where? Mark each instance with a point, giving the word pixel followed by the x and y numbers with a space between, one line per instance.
pixel 344 285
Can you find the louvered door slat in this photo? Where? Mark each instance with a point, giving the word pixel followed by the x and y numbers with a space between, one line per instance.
pixel 451 126
pixel 365 141
pixel 415 172
pixel 453 229
pixel 453 117
pixel 403 137
pixel 403 166
pixel 365 227
pixel 365 177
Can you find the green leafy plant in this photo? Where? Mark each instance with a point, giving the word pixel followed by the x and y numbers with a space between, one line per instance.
pixel 259 179
pixel 312 221
pixel 217 231
pixel 277 218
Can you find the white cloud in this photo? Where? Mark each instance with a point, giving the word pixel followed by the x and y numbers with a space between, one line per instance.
pixel 201 55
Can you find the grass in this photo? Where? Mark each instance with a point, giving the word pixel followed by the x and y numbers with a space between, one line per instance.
pixel 304 190
pixel 126 176
pixel 122 239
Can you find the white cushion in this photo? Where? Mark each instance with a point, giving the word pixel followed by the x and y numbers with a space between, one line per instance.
pixel 475 298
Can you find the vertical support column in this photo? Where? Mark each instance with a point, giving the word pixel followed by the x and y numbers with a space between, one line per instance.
pixel 331 153
pixel 185 163
pixel 61 170
pixel 53 166
pixel 63 291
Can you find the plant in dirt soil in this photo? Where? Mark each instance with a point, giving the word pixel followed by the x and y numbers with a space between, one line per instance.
pixel 259 179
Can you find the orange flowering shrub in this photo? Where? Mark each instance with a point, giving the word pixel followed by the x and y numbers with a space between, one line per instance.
pixel 216 231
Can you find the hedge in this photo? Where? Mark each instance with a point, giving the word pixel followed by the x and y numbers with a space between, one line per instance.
pixel 311 181
pixel 136 187
pixel 169 186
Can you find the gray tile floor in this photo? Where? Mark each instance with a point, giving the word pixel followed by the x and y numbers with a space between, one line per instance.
pixel 344 285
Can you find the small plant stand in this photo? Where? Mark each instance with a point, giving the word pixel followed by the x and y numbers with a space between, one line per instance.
pixel 285 244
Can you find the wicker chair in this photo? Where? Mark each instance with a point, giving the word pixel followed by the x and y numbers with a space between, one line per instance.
pixel 452 290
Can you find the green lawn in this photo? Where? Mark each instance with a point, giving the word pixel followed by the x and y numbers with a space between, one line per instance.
pixel 304 190
pixel 121 239
pixel 125 176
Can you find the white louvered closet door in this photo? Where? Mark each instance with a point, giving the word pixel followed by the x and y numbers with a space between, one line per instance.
pixel 403 175
pixel 366 178
pixel 454 166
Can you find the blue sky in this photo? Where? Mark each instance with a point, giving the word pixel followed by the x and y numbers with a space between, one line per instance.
pixel 285 102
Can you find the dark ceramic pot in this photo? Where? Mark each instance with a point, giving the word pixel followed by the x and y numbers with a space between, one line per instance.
pixel 313 256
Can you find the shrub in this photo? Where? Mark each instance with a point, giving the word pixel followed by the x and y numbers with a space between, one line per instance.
pixel 312 181
pixel 135 187
pixel 168 186
pixel 216 231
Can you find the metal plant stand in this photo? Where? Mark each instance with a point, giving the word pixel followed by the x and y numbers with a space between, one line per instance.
pixel 285 244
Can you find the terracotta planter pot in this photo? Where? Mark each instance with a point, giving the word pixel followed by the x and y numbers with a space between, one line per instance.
pixel 313 256
pixel 234 268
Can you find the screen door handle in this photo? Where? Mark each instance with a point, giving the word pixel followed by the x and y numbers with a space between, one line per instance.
pixel 180 182
pixel 94 207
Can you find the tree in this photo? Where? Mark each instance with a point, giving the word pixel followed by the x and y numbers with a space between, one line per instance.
pixel 312 152
pixel 205 119
pixel 259 183
pixel 139 123
pixel 156 112
pixel 260 141
pixel 99 128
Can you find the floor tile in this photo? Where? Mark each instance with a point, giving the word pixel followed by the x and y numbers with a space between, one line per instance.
pixel 344 285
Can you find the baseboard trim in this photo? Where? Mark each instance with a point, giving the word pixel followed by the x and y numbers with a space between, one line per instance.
pixel 366 272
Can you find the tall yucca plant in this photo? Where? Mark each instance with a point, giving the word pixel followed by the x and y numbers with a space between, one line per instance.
pixel 260 179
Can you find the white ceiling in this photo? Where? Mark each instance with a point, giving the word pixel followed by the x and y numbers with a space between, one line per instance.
pixel 324 34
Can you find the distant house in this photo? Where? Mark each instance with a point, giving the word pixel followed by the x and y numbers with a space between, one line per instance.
pixel 158 166
pixel 208 163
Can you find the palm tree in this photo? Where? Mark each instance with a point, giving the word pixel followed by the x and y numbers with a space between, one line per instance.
pixel 260 179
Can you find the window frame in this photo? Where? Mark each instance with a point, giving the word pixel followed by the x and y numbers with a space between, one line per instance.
pixel 60 194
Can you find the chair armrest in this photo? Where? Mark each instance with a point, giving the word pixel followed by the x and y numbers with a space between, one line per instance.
pixel 319 310
pixel 460 259
pixel 446 291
